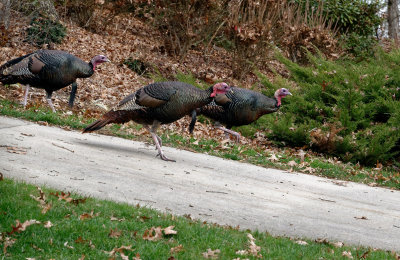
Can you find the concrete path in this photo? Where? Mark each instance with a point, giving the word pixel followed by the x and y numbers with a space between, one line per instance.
pixel 206 187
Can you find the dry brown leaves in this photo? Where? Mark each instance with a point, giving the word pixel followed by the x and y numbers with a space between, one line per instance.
pixel 213 254
pixel 112 218
pixel 48 224
pixel 301 242
pixel 88 215
pixel 42 201
pixel 80 240
pixel 176 249
pixel 121 250
pixel 156 233
pixel 7 242
pixel 115 233
pixel 19 227
pixel 253 248
pixel 347 254
pixel 67 198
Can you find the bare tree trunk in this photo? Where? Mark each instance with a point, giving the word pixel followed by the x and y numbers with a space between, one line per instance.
pixel 5 13
pixel 393 19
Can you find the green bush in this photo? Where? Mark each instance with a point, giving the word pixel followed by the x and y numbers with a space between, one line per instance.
pixel 356 20
pixel 348 110
pixel 138 66
pixel 43 31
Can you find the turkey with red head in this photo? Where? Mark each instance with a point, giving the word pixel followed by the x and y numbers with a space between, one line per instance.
pixel 239 107
pixel 159 103
pixel 50 70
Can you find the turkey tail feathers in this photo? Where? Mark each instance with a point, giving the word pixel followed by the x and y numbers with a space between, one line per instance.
pixel 119 117
pixel 96 125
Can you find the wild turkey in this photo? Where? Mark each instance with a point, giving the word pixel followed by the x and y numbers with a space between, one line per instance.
pixel 159 103
pixel 239 107
pixel 50 70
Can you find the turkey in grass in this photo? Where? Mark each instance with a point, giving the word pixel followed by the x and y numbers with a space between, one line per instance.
pixel 239 107
pixel 159 103
pixel 50 70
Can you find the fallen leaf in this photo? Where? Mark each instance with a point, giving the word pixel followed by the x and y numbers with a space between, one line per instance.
pixel 241 252
pixel 169 230
pixel 347 254
pixel 68 246
pixel 112 218
pixel 119 250
pixel 115 233
pixel 211 253
pixel 85 216
pixel 365 255
pixel 301 242
pixel 292 163
pixel 338 244
pixel 137 257
pixel 88 215
pixel 62 196
pixel 322 241
pixel 80 240
pixel 42 201
pixel 144 218
pixel 22 226
pixel 253 248
pixel 273 158
pixel 48 224
pixel 8 242
pixel 36 248
pixel 176 249
pixel 153 234
pixel 82 257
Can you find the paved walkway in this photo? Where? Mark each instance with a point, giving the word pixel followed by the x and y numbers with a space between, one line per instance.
pixel 206 187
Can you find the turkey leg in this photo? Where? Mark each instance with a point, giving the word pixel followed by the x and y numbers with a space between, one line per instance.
pixel 50 102
pixel 157 140
pixel 26 96
pixel 226 130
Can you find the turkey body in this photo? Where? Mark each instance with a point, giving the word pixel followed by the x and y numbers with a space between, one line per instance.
pixel 239 107
pixel 242 107
pixel 50 70
pixel 159 103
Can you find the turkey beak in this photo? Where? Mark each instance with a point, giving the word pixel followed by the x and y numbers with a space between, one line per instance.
pixel 289 93
pixel 107 60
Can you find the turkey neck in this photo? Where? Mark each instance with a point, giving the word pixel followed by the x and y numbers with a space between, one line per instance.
pixel 208 93
pixel 92 68
pixel 269 105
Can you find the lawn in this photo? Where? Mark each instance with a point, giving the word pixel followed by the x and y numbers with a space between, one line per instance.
pixel 43 223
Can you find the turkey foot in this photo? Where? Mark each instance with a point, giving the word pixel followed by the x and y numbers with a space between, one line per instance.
pixel 158 147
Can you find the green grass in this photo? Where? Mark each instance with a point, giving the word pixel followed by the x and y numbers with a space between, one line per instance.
pixel 195 236
pixel 256 155
pixel 9 108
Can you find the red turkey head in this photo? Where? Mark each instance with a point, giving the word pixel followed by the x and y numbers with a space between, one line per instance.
pixel 98 59
pixel 281 93
pixel 220 88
